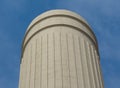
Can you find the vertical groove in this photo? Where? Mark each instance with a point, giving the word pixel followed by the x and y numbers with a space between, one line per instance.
pixel 85 65
pixel 88 64
pixel 95 69
pixel 84 76
pixel 92 60
pixel 68 61
pixel 92 67
pixel 61 58
pixel 28 66
pixel 41 65
pixel 37 66
pixel 30 63
pixel 21 74
pixel 75 59
pixel 27 59
pixel 54 60
pixel 35 63
pixel 24 71
pixel 25 66
pixel 47 60
pixel 82 70
pixel 102 83
pixel 98 70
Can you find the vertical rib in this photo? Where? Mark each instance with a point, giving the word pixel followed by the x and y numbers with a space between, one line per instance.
pixel 47 59
pixel 98 69
pixel 27 67
pixel 54 60
pixel 88 64
pixel 93 83
pixel 81 64
pixel 85 65
pixel 23 83
pixel 68 61
pixel 74 51
pixel 72 62
pixel 61 58
pixel 38 62
pixel 21 75
pixel 44 62
pixel 58 63
pixel 30 65
pixel 95 68
pixel 41 64
pixel 65 62
pixel 51 60
pixel 24 68
pixel 35 63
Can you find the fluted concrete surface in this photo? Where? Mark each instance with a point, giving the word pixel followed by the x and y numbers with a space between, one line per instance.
pixel 60 51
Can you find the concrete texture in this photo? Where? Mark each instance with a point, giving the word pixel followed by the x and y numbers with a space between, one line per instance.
pixel 60 51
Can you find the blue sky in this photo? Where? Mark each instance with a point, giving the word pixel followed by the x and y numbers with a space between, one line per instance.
pixel 102 15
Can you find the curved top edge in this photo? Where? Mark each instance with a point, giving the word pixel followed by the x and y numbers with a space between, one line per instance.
pixel 56 12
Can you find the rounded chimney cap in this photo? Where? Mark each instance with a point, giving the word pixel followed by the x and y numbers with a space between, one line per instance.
pixel 46 20
pixel 54 13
